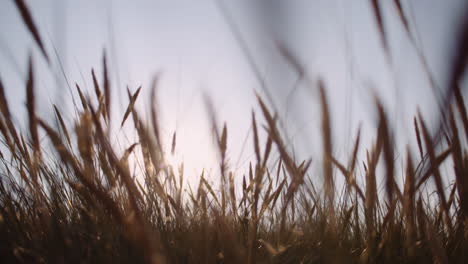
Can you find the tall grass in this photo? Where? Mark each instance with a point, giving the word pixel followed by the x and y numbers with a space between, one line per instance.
pixel 74 199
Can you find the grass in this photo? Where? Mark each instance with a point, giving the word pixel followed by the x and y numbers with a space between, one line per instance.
pixel 74 199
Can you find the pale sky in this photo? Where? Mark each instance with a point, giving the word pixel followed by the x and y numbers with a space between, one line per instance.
pixel 194 48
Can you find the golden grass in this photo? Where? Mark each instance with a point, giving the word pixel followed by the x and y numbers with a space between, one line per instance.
pixel 73 198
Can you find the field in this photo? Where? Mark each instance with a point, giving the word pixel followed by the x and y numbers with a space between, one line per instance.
pixel 73 198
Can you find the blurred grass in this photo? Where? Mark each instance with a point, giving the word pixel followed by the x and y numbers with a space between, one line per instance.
pixel 72 198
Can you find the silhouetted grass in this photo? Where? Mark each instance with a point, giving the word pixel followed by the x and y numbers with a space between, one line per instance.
pixel 74 199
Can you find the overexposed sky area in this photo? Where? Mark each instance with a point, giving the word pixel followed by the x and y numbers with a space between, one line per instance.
pixel 193 47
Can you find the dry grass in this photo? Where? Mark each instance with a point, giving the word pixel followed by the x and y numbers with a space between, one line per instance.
pixel 74 199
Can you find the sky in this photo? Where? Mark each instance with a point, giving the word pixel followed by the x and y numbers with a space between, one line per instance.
pixel 192 46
